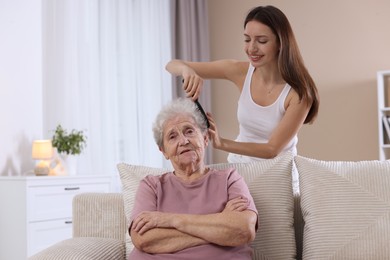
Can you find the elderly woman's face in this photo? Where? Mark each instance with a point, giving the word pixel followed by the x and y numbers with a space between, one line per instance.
pixel 183 141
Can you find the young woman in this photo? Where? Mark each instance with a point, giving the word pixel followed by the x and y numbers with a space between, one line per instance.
pixel 278 95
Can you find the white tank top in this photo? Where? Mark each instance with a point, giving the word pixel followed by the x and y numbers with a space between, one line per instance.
pixel 256 122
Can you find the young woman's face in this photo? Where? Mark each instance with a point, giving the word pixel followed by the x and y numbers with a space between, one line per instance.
pixel 261 44
pixel 184 143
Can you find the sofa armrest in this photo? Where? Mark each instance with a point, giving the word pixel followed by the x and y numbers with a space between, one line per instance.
pixel 99 230
pixel 99 215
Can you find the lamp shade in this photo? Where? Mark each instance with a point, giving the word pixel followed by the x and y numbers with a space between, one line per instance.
pixel 42 150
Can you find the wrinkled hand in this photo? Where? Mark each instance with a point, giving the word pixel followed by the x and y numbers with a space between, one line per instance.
pixel 192 84
pixel 237 204
pixel 213 132
pixel 148 220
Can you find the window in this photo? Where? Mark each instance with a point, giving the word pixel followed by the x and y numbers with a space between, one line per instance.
pixel 104 73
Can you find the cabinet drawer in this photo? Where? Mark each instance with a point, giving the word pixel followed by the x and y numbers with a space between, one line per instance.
pixel 55 202
pixel 46 233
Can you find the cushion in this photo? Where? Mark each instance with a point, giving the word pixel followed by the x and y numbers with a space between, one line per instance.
pixel 346 209
pixel 270 184
pixel 130 176
pixel 86 248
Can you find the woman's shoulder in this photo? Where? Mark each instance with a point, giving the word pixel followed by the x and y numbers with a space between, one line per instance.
pixel 152 179
pixel 236 70
pixel 293 98
pixel 229 172
pixel 237 65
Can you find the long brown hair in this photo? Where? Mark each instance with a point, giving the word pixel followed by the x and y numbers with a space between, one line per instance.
pixel 290 61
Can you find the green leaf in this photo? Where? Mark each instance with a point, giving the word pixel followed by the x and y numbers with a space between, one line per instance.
pixel 72 143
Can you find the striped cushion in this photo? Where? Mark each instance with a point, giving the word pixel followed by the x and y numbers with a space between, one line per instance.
pixel 130 176
pixel 270 184
pixel 346 209
pixel 84 248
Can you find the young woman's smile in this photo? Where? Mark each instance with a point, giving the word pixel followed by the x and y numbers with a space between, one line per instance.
pixel 261 43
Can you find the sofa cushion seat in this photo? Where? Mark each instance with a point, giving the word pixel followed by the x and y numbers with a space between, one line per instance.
pixel 85 248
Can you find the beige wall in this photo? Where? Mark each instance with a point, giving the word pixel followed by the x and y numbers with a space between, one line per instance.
pixel 344 43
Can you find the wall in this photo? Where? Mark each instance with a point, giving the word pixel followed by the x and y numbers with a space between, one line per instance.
pixel 343 45
pixel 20 83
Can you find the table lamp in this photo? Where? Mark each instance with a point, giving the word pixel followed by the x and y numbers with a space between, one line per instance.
pixel 42 150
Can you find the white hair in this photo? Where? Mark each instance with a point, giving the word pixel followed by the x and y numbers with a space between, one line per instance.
pixel 180 106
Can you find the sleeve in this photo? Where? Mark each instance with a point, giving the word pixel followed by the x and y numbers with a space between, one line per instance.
pixel 145 198
pixel 237 187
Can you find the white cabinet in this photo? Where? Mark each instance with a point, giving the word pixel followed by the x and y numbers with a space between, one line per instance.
pixel 383 81
pixel 36 212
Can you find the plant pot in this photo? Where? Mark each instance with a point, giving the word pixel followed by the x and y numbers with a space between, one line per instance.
pixel 70 163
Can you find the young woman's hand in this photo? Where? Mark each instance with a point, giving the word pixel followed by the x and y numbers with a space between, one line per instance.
pixel 192 83
pixel 213 132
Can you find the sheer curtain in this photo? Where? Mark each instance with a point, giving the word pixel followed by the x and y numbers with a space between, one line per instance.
pixel 104 74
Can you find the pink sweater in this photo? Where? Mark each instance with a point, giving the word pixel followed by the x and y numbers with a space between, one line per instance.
pixel 166 193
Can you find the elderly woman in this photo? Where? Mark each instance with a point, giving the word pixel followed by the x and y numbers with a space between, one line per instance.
pixel 194 212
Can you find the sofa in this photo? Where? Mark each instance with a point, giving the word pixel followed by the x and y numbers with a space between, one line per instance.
pixel 341 212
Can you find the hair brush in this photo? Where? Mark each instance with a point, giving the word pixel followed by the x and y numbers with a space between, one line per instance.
pixel 200 108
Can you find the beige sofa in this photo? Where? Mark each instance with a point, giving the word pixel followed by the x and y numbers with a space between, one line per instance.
pixel 342 212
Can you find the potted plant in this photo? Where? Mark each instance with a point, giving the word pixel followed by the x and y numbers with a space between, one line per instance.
pixel 68 145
